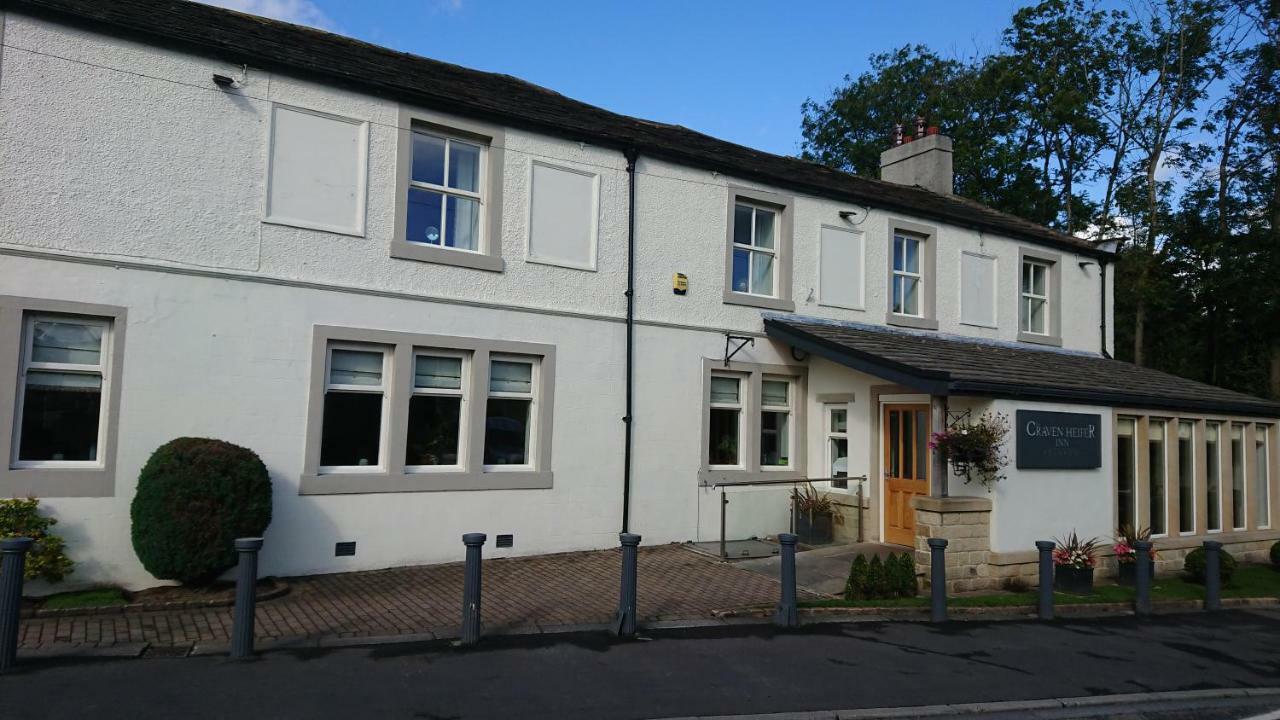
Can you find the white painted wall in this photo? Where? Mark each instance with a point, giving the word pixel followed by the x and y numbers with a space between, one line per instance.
pixel 129 156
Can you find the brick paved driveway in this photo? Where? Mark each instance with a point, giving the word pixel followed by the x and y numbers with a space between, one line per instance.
pixel 543 591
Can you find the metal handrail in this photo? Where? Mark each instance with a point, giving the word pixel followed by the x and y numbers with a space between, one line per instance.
pixel 724 499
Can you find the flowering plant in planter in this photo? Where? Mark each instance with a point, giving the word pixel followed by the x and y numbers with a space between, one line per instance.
pixel 1075 552
pixel 1123 547
pixel 976 448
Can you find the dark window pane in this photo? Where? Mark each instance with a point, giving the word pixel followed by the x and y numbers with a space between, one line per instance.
pixel 506 432
pixel 1155 457
pixel 1186 485
pixel 428 159
pixel 462 229
pixel 908 454
pixel 60 414
pixel 425 215
pixel 1237 479
pixel 742 225
pixel 1214 464
pixel 352 429
pixel 66 342
pixel 894 427
pixel 774 439
pixel 433 430
pixel 922 445
pixel 1124 479
pixel 741 269
pixel 723 448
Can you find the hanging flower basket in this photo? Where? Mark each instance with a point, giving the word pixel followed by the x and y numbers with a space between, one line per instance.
pixel 976 450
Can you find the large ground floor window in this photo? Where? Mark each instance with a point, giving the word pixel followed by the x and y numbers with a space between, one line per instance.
pixel 753 421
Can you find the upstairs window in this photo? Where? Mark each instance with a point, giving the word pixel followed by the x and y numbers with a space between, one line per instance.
pixel 908 275
pixel 60 401
pixel 445 192
pixel 1035 297
pixel 755 250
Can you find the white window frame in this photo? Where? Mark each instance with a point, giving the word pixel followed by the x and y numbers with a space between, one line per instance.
pixel 738 407
pixel 482 179
pixel 382 389
pixel 464 405
pixel 828 410
pixel 906 274
pixel 789 409
pixel 1029 296
pixel 102 370
pixel 1164 467
pixel 531 436
pixel 1262 468
pixel 753 249
pixel 1195 456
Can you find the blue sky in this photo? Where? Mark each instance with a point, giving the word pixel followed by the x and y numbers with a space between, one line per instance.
pixel 739 71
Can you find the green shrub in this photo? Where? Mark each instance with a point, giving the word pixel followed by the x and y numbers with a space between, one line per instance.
pixel 855 588
pixel 47 559
pixel 1193 566
pixel 877 578
pixel 195 497
pixel 1275 553
pixel 906 578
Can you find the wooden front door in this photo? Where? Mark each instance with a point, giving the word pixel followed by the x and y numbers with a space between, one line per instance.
pixel 905 429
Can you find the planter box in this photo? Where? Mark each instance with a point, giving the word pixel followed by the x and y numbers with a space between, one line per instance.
pixel 815 528
pixel 1127 573
pixel 1077 581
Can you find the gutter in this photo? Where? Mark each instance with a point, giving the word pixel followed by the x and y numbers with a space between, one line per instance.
pixel 1102 305
pixel 631 154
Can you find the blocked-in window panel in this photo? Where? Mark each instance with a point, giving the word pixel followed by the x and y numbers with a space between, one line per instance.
pixel 840 268
pixel 977 289
pixel 563 216
pixel 317 171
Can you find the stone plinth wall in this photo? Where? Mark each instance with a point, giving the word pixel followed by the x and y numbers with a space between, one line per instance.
pixel 965 523
pixel 847 517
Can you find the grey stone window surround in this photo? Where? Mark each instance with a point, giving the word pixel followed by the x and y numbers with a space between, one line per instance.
pixel 393 477
pixel 493 137
pixel 753 373
pixel 782 268
pixel 928 282
pixel 50 482
pixel 1054 261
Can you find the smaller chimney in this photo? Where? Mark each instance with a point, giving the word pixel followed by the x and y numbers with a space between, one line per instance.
pixel 923 160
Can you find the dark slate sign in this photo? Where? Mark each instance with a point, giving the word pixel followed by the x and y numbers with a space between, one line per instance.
pixel 1058 440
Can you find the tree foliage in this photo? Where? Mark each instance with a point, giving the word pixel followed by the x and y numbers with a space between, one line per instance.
pixel 1157 126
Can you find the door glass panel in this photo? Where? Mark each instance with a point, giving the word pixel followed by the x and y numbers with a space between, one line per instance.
pixel 894 421
pixel 922 445
pixel 908 449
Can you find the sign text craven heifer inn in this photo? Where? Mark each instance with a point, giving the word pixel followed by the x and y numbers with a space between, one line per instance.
pixel 1058 440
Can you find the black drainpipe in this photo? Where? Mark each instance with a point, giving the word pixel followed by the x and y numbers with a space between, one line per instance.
pixel 1102 296
pixel 631 156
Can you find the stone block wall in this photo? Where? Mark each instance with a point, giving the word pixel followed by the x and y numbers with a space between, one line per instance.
pixel 965 523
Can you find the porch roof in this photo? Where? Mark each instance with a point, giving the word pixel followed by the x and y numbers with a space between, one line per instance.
pixel 950 365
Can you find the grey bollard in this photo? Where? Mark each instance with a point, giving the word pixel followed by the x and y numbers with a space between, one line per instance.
pixel 1142 577
pixel 246 597
pixel 624 624
pixel 1046 578
pixel 786 615
pixel 1212 575
pixel 13 562
pixel 937 579
pixel 471 589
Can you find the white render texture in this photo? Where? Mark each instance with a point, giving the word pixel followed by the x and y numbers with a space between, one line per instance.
pixel 128 178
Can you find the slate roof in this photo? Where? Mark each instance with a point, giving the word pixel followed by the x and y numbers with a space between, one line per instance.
pixel 247 39
pixel 949 365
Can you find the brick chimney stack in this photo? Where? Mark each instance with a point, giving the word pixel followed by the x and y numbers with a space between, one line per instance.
pixel 923 159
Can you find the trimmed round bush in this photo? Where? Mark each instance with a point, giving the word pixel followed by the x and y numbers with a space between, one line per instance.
pixel 195 497
pixel 1275 554
pixel 1193 566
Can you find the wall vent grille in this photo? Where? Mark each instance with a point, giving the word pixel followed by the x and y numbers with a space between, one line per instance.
pixel 344 549
pixel 506 541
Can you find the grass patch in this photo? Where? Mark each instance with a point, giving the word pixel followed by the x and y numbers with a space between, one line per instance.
pixel 97 597
pixel 1249 581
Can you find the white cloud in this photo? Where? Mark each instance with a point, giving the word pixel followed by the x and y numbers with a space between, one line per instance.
pixel 301 12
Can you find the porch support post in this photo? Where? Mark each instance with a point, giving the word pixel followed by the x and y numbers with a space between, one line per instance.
pixel 938 464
